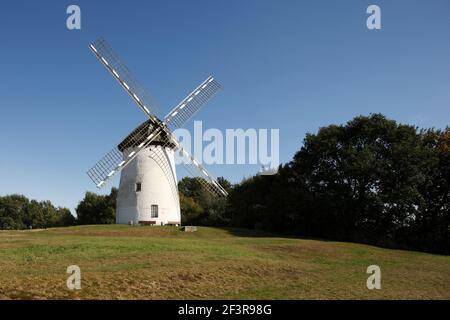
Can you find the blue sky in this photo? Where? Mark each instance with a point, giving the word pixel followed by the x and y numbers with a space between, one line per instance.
pixel 292 65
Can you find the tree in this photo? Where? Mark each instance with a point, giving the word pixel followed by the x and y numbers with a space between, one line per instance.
pixel 365 177
pixel 65 218
pixel 18 212
pixel 97 209
pixel 371 180
pixel 225 183
pixel 191 211
pixel 13 209
pixel 199 206
pixel 431 230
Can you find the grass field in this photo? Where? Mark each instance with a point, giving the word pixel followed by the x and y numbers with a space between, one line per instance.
pixel 125 262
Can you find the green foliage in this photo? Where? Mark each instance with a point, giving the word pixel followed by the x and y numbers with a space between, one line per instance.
pixel 372 180
pixel 199 206
pixel 97 209
pixel 18 212
pixel 191 211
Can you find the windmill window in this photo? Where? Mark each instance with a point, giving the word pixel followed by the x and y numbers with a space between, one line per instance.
pixel 138 186
pixel 154 211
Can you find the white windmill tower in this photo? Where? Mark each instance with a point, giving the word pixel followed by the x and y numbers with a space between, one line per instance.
pixel 148 191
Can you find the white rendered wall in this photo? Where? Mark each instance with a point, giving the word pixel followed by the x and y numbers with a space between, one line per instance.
pixel 156 189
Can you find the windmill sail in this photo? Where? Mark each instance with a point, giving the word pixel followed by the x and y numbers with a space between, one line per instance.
pixel 115 160
pixel 153 131
pixel 198 172
pixel 195 169
pixel 189 106
pixel 123 75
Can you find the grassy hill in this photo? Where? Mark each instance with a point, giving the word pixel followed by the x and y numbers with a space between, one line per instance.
pixel 125 262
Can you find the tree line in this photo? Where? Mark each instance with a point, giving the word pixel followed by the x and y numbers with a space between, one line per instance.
pixel 18 212
pixel 371 180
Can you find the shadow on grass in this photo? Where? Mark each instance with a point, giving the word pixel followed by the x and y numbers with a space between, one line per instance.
pixel 255 233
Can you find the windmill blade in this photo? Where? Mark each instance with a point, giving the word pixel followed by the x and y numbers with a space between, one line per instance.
pixel 124 77
pixel 192 103
pixel 205 178
pixel 197 171
pixel 121 155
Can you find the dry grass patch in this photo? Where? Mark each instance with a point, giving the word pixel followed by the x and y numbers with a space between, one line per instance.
pixel 125 262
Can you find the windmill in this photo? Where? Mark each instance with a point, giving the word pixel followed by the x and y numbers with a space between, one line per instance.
pixel 148 190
